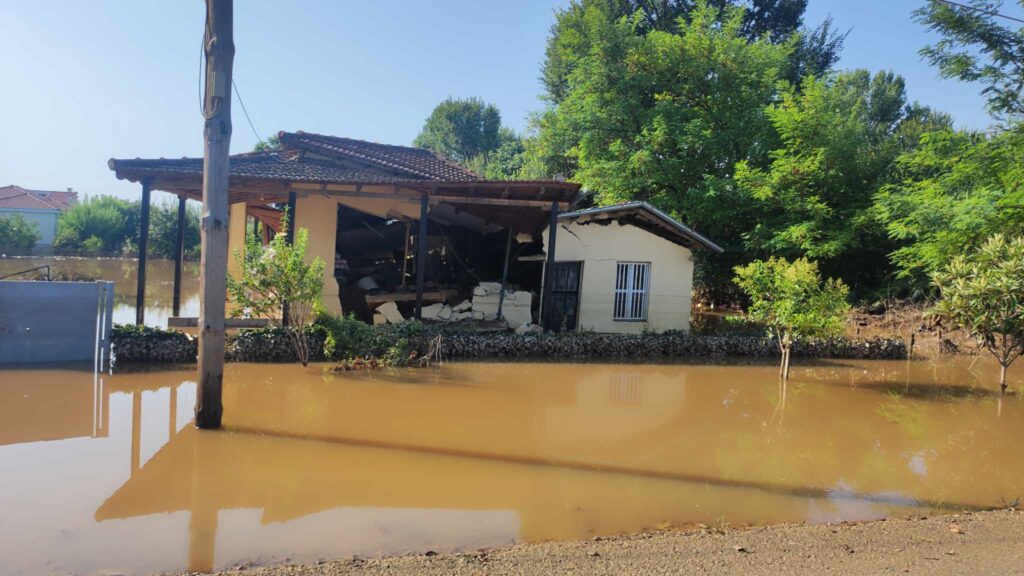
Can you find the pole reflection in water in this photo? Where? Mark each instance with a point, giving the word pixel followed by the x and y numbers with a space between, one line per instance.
pixel 106 475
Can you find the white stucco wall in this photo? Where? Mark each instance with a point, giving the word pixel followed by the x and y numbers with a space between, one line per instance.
pixel 319 215
pixel 600 248
pixel 45 221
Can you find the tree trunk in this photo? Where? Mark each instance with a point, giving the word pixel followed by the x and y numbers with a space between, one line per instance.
pixel 789 351
pixel 1002 378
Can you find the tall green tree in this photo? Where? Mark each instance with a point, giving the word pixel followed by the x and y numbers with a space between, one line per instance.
pixel 977 46
pixel 572 36
pixel 666 116
pixel 461 129
pixel 839 138
pixel 950 194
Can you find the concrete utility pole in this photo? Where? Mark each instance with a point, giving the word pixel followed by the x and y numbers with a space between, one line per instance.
pixel 220 53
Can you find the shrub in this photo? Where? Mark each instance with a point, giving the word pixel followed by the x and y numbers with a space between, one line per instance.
pixel 16 232
pixel 983 293
pixel 275 276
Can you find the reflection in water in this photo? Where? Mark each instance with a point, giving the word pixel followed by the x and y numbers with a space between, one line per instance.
pixel 122 272
pixel 105 475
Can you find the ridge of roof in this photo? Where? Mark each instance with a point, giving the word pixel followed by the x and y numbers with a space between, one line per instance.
pixel 418 162
pixel 26 201
pixel 681 228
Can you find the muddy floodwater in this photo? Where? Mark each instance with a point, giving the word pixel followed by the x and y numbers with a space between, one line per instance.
pixel 122 272
pixel 106 474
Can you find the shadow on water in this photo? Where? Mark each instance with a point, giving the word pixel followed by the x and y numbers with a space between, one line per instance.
pixel 842 493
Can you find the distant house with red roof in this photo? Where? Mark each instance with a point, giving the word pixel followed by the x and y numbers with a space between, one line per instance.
pixel 40 207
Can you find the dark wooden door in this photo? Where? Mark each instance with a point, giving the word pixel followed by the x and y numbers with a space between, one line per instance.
pixel 563 310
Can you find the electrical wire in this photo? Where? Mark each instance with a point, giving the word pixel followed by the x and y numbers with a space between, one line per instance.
pixel 980 10
pixel 246 112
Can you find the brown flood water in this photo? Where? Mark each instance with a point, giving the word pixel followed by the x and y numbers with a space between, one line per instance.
pixel 159 283
pixel 106 475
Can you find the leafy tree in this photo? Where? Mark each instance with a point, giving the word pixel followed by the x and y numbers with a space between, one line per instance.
pixel 573 38
pixel 104 221
pixel 110 224
pixel 976 46
pixel 271 144
pixel 163 230
pixel 950 194
pixel 665 117
pixel 839 138
pixel 461 129
pixel 983 293
pixel 790 298
pixel 16 232
pixel 277 275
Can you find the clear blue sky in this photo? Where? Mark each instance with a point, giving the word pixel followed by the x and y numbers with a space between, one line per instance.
pixel 86 81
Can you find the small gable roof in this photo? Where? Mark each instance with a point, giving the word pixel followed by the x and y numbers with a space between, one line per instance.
pixel 646 217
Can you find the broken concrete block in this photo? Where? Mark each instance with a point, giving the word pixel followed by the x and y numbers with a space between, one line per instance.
pixel 529 328
pixel 485 288
pixel 464 306
pixel 478 314
pixel 516 316
pixel 445 314
pixel 390 311
pixel 379 319
pixel 432 312
pixel 460 316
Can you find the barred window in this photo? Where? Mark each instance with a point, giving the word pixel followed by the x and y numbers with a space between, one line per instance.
pixel 632 283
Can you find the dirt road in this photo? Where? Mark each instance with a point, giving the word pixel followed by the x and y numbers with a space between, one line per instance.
pixel 970 543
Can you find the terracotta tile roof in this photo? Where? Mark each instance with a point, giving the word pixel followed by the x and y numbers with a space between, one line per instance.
pixel 262 166
pixel 25 201
pixel 417 162
pixel 16 197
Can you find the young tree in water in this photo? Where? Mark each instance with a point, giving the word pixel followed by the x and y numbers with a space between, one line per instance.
pixel 790 298
pixel 983 293
pixel 277 275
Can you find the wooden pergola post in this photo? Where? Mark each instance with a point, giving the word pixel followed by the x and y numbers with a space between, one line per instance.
pixel 504 271
pixel 220 52
pixel 546 313
pixel 421 254
pixel 140 287
pixel 179 254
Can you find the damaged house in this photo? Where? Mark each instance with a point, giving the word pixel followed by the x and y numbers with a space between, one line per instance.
pixel 411 234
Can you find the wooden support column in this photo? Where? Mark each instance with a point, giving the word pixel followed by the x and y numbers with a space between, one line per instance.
pixel 545 312
pixel 255 227
pixel 290 236
pixel 504 271
pixel 421 255
pixel 179 254
pixel 140 287
pixel 220 52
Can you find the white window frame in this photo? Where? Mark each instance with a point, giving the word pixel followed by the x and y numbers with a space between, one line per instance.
pixel 632 291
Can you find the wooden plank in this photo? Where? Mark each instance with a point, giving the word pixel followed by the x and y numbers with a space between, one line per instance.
pixel 193 322
pixel 220 52
pixel 434 296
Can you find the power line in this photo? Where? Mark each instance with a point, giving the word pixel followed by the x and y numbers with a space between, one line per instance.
pixel 981 10
pixel 244 111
